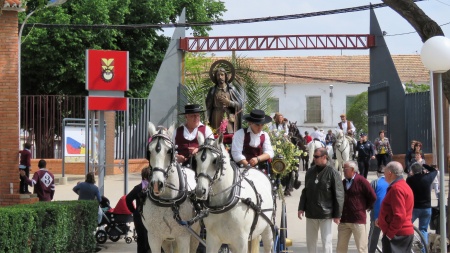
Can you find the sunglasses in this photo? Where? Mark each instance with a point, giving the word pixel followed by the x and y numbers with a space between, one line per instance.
pixel 317 156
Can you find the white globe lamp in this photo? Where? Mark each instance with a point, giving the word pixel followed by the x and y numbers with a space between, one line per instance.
pixel 435 54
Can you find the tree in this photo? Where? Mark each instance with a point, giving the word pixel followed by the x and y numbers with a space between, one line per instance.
pixel 53 60
pixel 411 87
pixel 358 112
pixel 424 26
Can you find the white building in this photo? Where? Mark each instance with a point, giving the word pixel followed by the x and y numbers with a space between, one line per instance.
pixel 315 90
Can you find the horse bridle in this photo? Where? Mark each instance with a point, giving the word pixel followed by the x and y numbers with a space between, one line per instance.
pixel 220 161
pixel 341 141
pixel 172 152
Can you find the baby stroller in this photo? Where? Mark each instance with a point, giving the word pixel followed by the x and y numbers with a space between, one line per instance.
pixel 114 223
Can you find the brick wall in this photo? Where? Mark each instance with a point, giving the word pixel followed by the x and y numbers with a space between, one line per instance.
pixel 9 113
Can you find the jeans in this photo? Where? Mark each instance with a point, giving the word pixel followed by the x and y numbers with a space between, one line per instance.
pixel 424 216
pixel 374 237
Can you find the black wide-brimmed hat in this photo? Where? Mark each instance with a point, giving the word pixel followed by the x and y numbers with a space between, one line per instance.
pixel 193 108
pixel 258 117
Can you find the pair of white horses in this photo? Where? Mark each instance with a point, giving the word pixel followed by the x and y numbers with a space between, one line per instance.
pixel 233 196
pixel 342 150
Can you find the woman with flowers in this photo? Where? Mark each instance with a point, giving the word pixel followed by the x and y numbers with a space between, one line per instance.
pixel 251 146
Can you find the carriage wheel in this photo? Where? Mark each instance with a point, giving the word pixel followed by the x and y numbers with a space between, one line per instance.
pixel 101 236
pixel 128 240
pixel 114 238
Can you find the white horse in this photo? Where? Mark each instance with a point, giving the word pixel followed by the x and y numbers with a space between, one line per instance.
pixel 342 150
pixel 232 195
pixel 169 187
pixel 312 146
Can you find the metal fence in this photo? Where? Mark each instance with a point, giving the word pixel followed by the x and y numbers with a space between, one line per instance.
pixel 42 118
pixel 418 119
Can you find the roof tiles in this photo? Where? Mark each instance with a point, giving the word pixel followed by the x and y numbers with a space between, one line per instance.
pixel 348 69
pixel 12 5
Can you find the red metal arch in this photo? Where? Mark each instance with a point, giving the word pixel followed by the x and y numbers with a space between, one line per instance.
pixel 277 42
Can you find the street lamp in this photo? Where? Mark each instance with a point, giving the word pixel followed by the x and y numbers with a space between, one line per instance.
pixel 51 3
pixel 435 56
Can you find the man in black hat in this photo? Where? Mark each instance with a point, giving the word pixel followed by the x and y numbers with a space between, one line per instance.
pixel 252 145
pixel 366 151
pixel 185 137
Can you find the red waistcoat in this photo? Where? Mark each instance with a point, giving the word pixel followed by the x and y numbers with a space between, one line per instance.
pixel 183 144
pixel 248 151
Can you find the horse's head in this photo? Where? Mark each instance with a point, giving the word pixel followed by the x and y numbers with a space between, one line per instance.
pixel 293 127
pixel 162 156
pixel 211 158
pixel 339 137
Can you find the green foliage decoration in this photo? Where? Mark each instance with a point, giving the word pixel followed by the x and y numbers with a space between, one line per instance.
pixel 283 147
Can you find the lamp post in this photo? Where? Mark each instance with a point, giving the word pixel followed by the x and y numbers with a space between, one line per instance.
pixel 51 3
pixel 435 56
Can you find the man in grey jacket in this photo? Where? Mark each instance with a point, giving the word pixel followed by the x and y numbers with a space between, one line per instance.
pixel 322 201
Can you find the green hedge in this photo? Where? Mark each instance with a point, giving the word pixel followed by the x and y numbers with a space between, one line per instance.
pixel 58 226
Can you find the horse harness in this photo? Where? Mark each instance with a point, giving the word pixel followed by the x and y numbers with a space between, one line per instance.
pixel 233 197
pixel 182 190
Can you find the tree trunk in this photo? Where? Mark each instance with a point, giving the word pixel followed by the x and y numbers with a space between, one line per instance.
pixel 424 26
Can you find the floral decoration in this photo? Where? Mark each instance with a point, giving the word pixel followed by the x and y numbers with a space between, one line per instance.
pixel 282 146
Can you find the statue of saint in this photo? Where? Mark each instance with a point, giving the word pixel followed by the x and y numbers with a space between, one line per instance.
pixel 223 100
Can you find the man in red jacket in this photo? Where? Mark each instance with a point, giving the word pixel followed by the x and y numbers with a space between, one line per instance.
pixel 358 198
pixel 396 211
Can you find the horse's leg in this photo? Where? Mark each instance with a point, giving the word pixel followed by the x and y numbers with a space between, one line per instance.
pixel 167 246
pixel 213 244
pixel 253 245
pixel 239 245
pixel 194 244
pixel 182 245
pixel 155 244
pixel 267 238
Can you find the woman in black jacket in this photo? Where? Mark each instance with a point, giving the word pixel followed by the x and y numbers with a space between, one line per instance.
pixel 138 193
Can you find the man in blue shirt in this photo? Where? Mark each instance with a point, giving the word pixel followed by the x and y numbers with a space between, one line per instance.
pixel 380 186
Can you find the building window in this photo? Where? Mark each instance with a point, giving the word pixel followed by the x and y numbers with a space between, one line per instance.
pixel 349 102
pixel 313 110
pixel 274 105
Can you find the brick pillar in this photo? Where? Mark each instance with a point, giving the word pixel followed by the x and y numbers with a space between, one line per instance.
pixel 9 113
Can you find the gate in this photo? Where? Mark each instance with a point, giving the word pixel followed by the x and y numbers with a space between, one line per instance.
pixel 42 117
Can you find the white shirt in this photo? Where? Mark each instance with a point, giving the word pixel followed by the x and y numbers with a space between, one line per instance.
pixel 279 128
pixel 344 127
pixel 190 136
pixel 317 134
pixel 238 144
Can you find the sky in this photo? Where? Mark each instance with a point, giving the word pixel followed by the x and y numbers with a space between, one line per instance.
pixel 347 23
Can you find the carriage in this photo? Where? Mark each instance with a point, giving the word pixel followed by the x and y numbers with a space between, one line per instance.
pixel 222 192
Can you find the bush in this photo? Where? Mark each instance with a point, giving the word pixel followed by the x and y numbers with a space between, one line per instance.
pixel 59 226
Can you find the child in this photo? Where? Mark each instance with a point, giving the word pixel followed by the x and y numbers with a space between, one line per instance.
pixel 25 165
